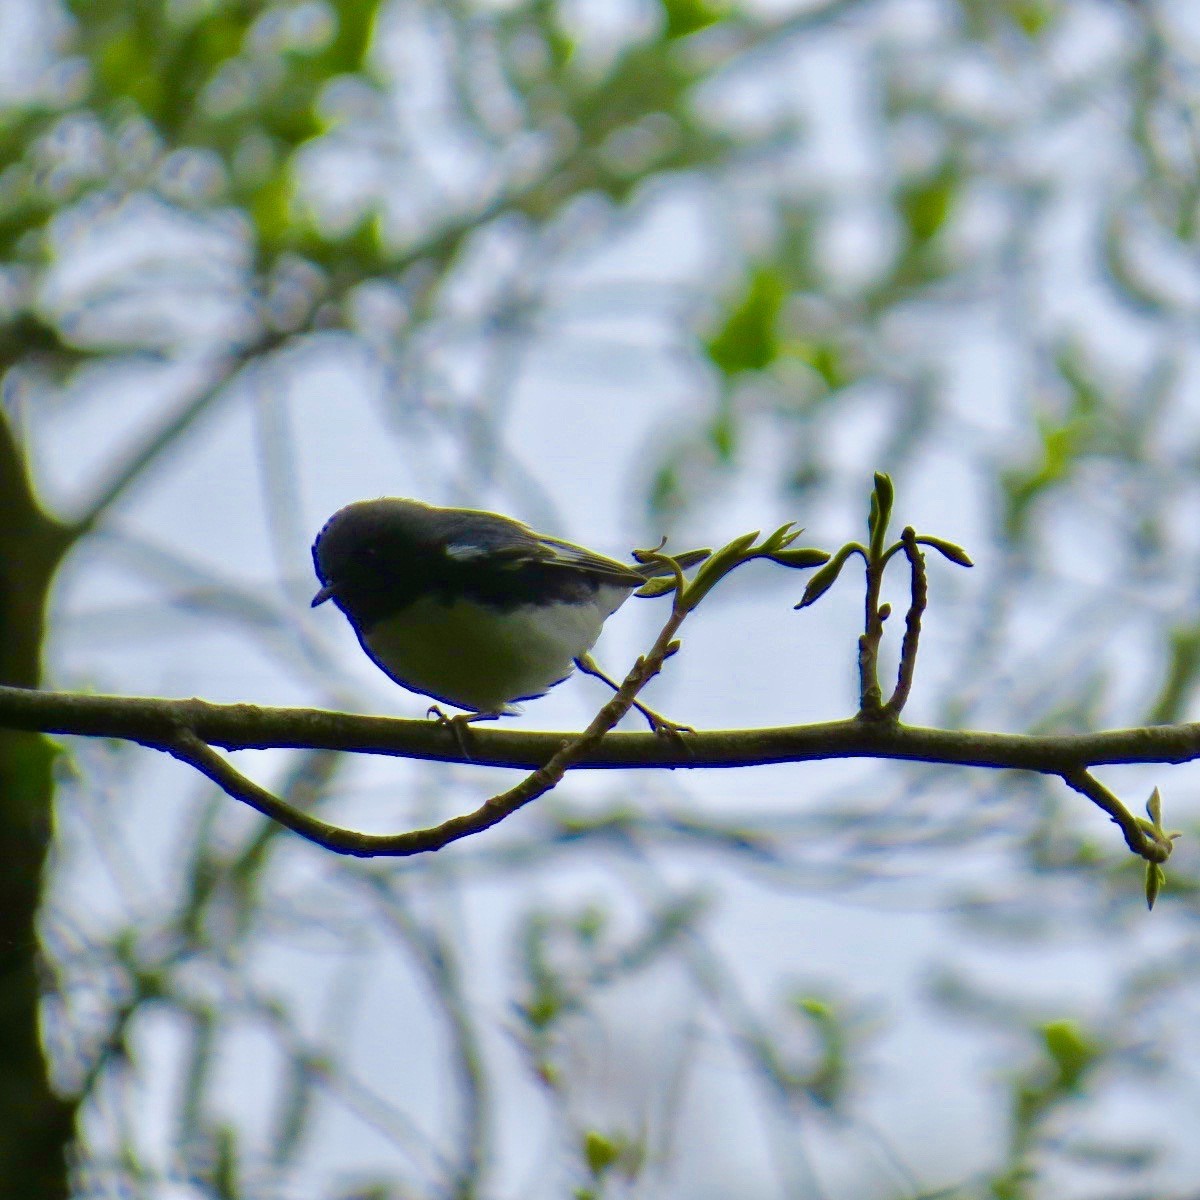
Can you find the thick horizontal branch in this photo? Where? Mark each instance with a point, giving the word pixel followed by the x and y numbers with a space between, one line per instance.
pixel 157 723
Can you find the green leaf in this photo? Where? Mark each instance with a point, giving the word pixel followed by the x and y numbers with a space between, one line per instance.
pixel 882 499
pixel 1155 878
pixel 600 1152
pixel 271 210
pixel 690 16
pixel 1154 808
pixel 718 566
pixel 1062 445
pixel 355 31
pixel 800 557
pixel 544 1008
pixel 810 1006
pixel 1033 17
pixel 925 204
pixel 685 558
pixel 731 552
pixel 1071 1051
pixel 783 536
pixel 825 578
pixel 749 338
pixel 956 554
pixel 722 434
pixel 124 64
pixel 885 491
pixel 657 587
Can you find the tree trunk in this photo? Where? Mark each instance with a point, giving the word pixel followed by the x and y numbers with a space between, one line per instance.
pixel 36 1125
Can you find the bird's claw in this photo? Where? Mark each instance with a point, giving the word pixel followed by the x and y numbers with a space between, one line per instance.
pixel 663 726
pixel 457 724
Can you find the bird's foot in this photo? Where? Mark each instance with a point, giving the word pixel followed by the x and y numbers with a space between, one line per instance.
pixel 663 726
pixel 458 723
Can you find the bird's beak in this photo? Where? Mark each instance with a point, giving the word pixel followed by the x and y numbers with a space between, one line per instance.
pixel 326 593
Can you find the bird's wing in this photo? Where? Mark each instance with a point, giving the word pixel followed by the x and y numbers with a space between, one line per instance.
pixel 506 544
pixel 554 552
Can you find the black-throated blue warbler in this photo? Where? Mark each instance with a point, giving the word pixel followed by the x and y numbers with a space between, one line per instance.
pixel 469 607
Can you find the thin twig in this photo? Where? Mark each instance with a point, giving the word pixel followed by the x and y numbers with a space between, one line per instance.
pixel 436 957
pixel 870 694
pixel 152 448
pixel 912 623
pixel 1142 843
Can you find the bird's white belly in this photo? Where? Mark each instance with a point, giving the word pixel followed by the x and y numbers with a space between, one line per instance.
pixel 479 658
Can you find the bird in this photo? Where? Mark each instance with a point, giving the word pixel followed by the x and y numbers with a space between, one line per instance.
pixel 471 608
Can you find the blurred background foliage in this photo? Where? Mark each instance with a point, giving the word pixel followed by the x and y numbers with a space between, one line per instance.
pixel 951 239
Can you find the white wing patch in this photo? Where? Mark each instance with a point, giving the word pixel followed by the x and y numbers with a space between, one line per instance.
pixel 547 551
pixel 465 551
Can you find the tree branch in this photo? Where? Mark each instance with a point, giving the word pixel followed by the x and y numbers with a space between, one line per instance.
pixel 1137 833
pixel 189 729
pixel 153 722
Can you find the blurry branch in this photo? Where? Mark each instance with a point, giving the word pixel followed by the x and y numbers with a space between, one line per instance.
pixel 748 36
pixel 153 448
pixel 436 955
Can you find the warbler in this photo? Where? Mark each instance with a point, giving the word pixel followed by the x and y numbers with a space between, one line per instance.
pixel 471 608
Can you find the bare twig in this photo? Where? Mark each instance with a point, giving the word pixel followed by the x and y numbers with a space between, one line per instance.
pixel 870 694
pixel 1137 837
pixel 912 623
